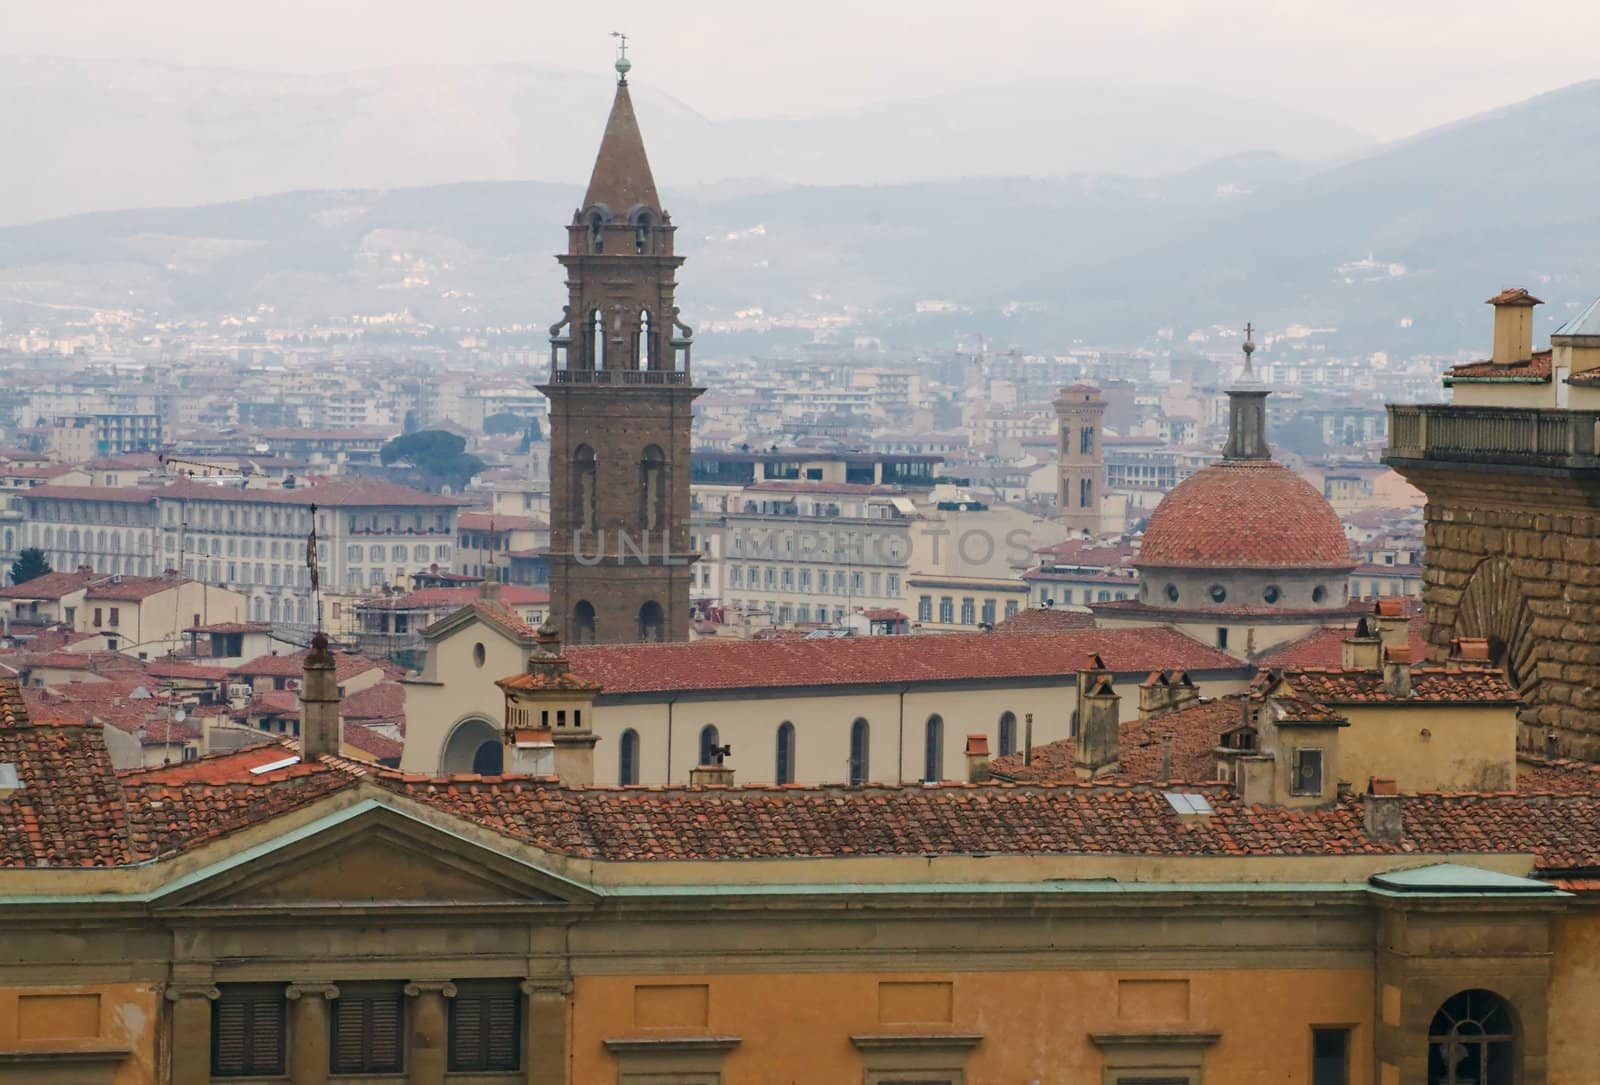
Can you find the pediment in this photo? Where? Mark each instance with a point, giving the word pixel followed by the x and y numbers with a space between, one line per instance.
pixel 371 855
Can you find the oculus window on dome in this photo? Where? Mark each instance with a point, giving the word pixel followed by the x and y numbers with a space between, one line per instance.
pixel 1172 593
pixel 1218 593
pixel 1272 593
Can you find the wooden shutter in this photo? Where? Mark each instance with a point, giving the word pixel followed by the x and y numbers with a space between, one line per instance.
pixel 247 1031
pixel 368 1034
pixel 485 1027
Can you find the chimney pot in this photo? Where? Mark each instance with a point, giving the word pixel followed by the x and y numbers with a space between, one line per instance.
pixel 977 757
pixel 1397 671
pixel 1381 816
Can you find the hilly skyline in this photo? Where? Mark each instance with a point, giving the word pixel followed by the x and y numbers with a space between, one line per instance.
pixel 1388 249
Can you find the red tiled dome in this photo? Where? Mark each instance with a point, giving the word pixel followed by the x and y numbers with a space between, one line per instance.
pixel 1245 514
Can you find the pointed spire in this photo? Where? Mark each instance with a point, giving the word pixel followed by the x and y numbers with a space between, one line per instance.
pixel 622 178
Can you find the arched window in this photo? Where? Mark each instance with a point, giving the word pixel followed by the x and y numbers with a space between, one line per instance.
pixel 583 631
pixel 933 749
pixel 628 757
pixel 597 340
pixel 652 622
pixel 860 748
pixel 489 759
pixel 652 488
pixel 644 351
pixel 784 773
pixel 641 232
pixel 597 232
pixel 1008 733
pixel 585 489
pixel 1472 1041
pixel 708 744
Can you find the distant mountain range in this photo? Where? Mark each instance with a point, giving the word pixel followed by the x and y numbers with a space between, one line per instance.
pixel 105 135
pixel 1395 247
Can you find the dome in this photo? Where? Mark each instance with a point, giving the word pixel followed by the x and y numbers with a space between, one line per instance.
pixel 1245 514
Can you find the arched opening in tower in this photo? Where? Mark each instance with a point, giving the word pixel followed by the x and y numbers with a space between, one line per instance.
pixel 652 622
pixel 583 627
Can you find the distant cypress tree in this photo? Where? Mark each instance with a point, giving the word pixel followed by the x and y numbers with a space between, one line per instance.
pixel 29 565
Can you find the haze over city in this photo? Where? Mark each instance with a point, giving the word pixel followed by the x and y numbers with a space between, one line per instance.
pixel 891 544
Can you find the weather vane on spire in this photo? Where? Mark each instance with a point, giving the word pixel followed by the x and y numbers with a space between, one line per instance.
pixel 623 64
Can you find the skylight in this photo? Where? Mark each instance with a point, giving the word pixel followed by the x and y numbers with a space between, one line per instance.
pixel 274 766
pixel 1185 802
pixel 8 777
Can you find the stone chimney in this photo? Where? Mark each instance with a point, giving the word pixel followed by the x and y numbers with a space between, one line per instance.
pixel 1394 626
pixel 1165 690
pixel 1470 650
pixel 320 731
pixel 1363 649
pixel 1381 812
pixel 1513 326
pixel 549 722
pixel 1099 716
pixel 977 758
pixel 716 772
pixel 1397 671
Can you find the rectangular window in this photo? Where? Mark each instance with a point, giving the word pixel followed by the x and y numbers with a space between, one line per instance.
pixel 485 1027
pixel 1085 493
pixel 893 584
pixel 1222 637
pixel 988 612
pixel 1307 773
pixel 968 610
pixel 247 1030
pixel 368 1037
pixel 1330 1056
pixel 947 609
pixel 925 608
pixel 1011 608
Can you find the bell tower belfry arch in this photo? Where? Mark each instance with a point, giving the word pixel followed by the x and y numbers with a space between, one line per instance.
pixel 620 392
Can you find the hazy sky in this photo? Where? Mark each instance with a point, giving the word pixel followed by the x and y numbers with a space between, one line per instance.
pixel 1389 67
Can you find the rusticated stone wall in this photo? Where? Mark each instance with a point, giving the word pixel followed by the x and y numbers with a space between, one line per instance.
pixel 1517 560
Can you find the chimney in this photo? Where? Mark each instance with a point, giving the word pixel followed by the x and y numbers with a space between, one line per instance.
pixel 1513 326
pixel 1381 812
pixel 1397 671
pixel 1154 694
pixel 1470 650
pixel 977 758
pixel 1027 739
pixel 319 703
pixel 1363 649
pixel 715 773
pixel 549 716
pixel 1099 712
pixel 1394 625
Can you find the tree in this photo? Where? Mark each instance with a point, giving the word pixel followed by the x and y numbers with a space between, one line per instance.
pixel 439 456
pixel 504 422
pixel 30 564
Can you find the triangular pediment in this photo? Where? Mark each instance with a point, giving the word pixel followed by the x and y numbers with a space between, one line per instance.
pixel 370 855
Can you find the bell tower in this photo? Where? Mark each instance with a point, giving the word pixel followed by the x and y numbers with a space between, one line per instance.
pixel 620 396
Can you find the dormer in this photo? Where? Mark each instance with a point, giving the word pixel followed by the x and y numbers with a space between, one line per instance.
pixel 1296 757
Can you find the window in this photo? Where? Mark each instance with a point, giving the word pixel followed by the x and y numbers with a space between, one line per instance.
pixel 485 1027
pixel 1330 1056
pixel 367 1033
pixel 1008 733
pixel 247 1030
pixel 925 608
pixel 1086 440
pixel 1172 593
pixel 1222 636
pixel 1272 593
pixel 479 654
pixel 1218 593
pixel 708 745
pixel 97 617
pixel 987 617
pixel 1318 594
pixel 933 749
pixel 785 767
pixel 628 757
pixel 860 742
pixel 1011 608
pixel 1472 1041
pixel 1307 773
pixel 947 609
pixel 969 613
pixel 1085 493
pixel 892 584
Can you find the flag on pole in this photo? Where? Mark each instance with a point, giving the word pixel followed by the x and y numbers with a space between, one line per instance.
pixel 311 550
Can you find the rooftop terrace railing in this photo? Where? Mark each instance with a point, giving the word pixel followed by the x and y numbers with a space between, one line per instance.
pixel 1522 436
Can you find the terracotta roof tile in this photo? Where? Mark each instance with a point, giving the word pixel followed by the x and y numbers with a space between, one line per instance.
pixel 834 661
pixel 1046 620
pixel 1437 685
pixel 1536 368
pixel 1245 514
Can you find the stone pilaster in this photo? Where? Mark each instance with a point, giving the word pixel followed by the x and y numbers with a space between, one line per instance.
pixel 191 1031
pixel 544 1057
pixel 430 1028
pixel 308 1031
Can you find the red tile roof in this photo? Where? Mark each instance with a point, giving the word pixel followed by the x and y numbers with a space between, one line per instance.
pixel 231 627
pixel 516 595
pixel 326 494
pixel 1514 295
pixel 1245 514
pixel 482 521
pixel 1536 370
pixel 1046 620
pixel 132 589
pixel 1325 647
pixel 1196 730
pixel 1436 685
pixel 49 586
pixel 346 665
pixel 385 701
pixel 838 661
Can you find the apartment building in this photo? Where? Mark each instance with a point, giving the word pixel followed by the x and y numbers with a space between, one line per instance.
pixel 253 540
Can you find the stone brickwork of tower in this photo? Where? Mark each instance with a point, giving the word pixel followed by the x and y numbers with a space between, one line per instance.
pixel 1081 464
pixel 621 399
